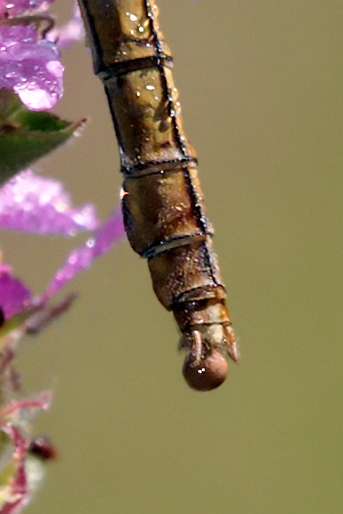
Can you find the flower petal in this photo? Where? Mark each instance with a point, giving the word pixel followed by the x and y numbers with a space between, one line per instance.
pixel 82 257
pixel 38 204
pixel 14 295
pixel 30 67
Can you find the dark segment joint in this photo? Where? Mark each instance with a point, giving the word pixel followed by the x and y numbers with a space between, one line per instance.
pixel 122 68
pixel 150 168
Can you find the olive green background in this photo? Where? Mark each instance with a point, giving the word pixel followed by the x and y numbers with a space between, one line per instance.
pixel 261 90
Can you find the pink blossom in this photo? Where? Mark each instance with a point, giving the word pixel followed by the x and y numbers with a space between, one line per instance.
pixel 16 297
pixel 81 258
pixel 30 66
pixel 33 203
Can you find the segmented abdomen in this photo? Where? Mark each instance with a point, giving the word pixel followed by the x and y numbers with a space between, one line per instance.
pixel 163 207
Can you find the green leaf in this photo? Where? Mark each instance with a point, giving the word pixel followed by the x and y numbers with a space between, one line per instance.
pixel 26 136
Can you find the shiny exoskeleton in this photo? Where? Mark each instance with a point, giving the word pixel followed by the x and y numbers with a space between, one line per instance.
pixel 162 201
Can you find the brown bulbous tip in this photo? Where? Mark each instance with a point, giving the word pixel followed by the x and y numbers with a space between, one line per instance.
pixel 42 448
pixel 208 374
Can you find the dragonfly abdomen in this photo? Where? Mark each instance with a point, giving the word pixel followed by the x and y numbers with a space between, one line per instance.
pixel 163 207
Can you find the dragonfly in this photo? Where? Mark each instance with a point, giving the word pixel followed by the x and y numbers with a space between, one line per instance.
pixel 162 201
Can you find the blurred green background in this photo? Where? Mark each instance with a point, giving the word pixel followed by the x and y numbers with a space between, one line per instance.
pixel 261 90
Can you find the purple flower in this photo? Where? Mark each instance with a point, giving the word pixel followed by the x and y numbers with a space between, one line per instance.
pixel 29 61
pixel 14 295
pixel 30 66
pixel 81 258
pixel 16 298
pixel 37 204
pixel 33 203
